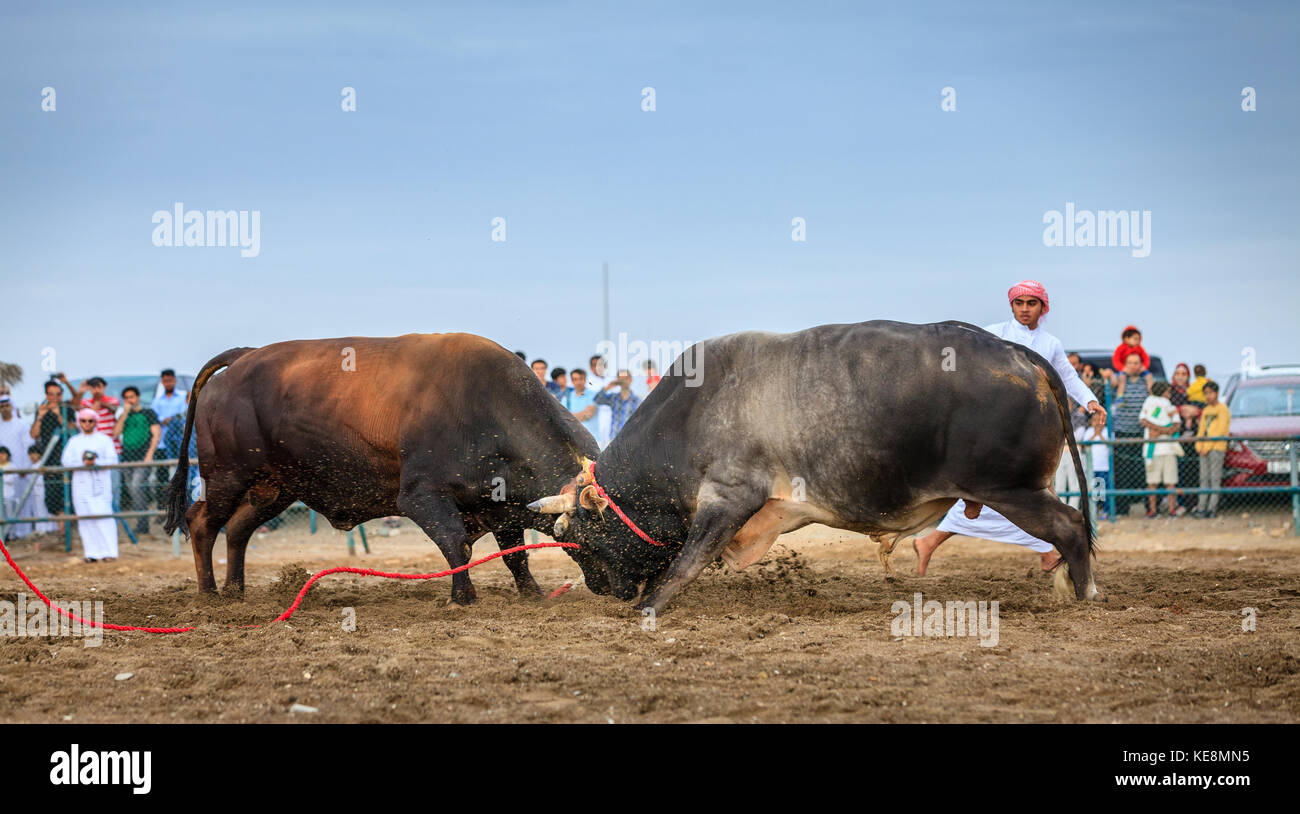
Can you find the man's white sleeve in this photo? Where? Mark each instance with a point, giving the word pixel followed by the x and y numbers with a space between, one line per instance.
pixel 1074 386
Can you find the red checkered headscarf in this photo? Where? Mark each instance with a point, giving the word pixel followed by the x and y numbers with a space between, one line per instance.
pixel 1029 288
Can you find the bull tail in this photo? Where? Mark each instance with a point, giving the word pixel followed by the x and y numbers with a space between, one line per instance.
pixel 1062 406
pixel 177 497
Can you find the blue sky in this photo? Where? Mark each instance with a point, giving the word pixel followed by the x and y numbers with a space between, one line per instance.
pixel 378 222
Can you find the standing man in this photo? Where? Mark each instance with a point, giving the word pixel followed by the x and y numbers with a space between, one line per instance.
pixel 14 432
pixel 170 409
pixel 92 486
pixel 54 419
pixel 604 415
pixel 1029 306
pixel 138 432
pixel 581 401
pixel 622 404
pixel 539 370
pixel 171 403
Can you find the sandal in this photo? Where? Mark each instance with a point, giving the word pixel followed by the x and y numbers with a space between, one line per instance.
pixel 91 559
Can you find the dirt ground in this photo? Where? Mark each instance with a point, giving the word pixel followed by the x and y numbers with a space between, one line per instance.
pixel 804 635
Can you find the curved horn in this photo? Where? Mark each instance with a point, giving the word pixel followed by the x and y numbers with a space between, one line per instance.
pixel 554 504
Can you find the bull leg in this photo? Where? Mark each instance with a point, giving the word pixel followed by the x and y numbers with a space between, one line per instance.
pixel 203 535
pixel 440 519
pixel 1044 516
pixel 510 537
pixel 714 526
pixel 887 542
pixel 239 529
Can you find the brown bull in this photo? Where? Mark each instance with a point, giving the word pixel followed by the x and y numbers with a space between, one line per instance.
pixel 449 430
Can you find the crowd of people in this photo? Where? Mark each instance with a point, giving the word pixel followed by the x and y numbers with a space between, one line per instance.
pixel 602 404
pixel 88 430
pixel 1168 415
pixel 91 428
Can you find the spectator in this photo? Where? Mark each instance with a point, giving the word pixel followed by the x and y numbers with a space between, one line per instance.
pixel 1130 342
pixel 170 409
pixel 539 370
pixel 604 415
pixel 622 404
pixel 523 357
pixel 11 484
pixel 92 486
pixel 1194 390
pixel 652 376
pixel 581 401
pixel 1131 388
pixel 1067 479
pixel 35 505
pixel 1215 421
pixel 1099 454
pixel 14 432
pixel 170 406
pixel 54 419
pixel 558 386
pixel 1161 458
pixel 137 432
pixel 104 405
pixel 1094 382
pixel 1189 414
pixel 1078 418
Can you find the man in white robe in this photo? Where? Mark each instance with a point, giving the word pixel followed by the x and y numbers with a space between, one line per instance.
pixel 92 487
pixel 1029 306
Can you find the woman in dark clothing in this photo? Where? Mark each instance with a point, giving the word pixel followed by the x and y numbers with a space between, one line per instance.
pixel 54 419
pixel 1188 472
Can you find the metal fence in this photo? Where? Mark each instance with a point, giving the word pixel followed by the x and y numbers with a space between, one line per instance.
pixel 1130 478
pixel 24 509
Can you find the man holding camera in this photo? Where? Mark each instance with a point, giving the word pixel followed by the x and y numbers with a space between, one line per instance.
pixel 92 486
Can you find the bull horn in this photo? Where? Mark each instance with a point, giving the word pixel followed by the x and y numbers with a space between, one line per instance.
pixel 554 504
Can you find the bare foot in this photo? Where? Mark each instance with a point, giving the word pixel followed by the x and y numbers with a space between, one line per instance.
pixel 924 548
pixel 1049 559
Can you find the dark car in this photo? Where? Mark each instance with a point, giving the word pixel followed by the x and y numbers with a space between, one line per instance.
pixel 1265 407
pixel 1100 359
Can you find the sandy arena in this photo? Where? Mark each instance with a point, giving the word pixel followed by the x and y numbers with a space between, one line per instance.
pixel 803 636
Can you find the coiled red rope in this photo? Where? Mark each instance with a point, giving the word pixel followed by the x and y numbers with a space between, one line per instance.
pixel 365 572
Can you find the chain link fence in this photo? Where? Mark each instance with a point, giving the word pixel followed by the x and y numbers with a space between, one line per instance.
pixel 1137 471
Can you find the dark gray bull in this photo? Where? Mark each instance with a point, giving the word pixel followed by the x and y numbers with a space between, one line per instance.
pixel 877 427
pixel 449 430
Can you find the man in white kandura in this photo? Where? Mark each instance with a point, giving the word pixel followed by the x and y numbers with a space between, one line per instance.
pixel 1029 306
pixel 92 486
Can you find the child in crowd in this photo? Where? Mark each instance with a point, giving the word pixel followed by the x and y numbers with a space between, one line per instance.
pixel 1215 421
pixel 1160 418
pixel 1194 392
pixel 1130 342
pixel 1095 430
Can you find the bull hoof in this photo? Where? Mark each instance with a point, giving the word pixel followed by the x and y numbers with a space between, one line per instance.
pixel 530 591
pixel 463 599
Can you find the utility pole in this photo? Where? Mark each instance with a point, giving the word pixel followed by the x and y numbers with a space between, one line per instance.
pixel 604 269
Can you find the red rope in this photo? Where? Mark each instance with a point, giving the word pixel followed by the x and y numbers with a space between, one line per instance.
pixel 627 521
pixel 365 572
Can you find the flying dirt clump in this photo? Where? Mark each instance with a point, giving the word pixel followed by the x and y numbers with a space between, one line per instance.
pixel 292 577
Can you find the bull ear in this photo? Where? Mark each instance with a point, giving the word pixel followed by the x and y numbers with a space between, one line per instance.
pixel 553 504
pixel 591 500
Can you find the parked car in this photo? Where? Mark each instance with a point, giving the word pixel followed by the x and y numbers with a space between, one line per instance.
pixel 1101 359
pixel 1265 405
